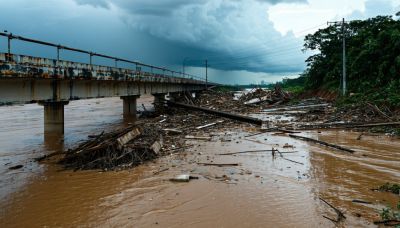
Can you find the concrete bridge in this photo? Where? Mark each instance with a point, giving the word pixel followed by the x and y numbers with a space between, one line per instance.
pixel 53 83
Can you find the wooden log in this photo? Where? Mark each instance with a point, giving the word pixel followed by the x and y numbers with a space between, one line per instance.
pixel 209 125
pixel 219 165
pixel 219 113
pixel 173 131
pixel 288 108
pixel 322 143
pixel 360 201
pixel 259 133
pixel 390 222
pixel 379 111
pixel 287 131
pixel 339 213
pixel 246 152
pixel 287 159
pixel 345 125
pixel 198 137
pixel 124 139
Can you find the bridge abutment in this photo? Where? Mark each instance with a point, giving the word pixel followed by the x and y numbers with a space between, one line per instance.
pixel 53 117
pixel 129 107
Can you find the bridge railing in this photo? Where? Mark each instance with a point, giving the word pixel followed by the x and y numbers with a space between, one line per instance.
pixel 12 65
pixel 22 66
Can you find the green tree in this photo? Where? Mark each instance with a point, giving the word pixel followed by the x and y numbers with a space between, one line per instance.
pixel 373 58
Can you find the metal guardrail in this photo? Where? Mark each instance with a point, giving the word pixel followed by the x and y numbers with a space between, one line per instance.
pixel 9 57
pixel 22 66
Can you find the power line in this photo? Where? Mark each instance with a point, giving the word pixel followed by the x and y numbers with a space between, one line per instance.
pixel 243 59
pixel 244 50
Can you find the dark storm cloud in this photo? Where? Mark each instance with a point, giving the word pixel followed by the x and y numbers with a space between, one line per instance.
pixel 145 7
pixel 283 1
pixel 232 34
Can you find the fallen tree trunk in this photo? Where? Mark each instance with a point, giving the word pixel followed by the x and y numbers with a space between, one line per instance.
pixel 219 113
pixel 340 215
pixel 288 108
pixel 246 152
pixel 254 151
pixel 219 165
pixel 345 125
pixel 390 222
pixel 322 143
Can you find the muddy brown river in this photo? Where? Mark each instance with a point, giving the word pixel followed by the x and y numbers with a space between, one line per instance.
pixel 262 191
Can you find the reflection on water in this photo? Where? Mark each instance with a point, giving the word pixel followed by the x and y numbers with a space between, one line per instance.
pixel 53 141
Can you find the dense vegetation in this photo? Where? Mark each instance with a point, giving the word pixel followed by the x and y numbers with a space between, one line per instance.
pixel 373 59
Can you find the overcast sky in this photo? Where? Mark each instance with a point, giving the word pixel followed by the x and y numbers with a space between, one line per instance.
pixel 245 41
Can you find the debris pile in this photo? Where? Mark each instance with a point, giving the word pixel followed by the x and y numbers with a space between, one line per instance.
pixel 119 149
pixel 259 96
pixel 247 102
pixel 365 114
pixel 222 101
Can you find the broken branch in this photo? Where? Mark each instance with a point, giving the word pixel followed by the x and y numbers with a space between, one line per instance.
pixel 322 143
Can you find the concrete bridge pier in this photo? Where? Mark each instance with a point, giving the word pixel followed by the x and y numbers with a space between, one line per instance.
pixel 159 98
pixel 129 107
pixel 53 117
pixel 159 101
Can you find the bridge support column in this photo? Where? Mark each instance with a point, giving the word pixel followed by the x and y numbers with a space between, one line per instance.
pixel 130 105
pixel 53 117
pixel 159 101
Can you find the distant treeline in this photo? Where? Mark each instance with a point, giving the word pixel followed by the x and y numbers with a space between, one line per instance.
pixel 241 87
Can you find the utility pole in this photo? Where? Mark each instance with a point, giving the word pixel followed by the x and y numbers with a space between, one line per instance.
pixel 9 46
pixel 183 64
pixel 344 59
pixel 344 79
pixel 58 52
pixel 206 74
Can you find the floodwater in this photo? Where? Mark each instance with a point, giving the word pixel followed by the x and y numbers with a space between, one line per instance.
pixel 262 191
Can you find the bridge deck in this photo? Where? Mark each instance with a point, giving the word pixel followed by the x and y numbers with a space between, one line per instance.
pixel 30 79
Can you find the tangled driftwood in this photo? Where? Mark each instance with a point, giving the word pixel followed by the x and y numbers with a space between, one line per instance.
pixel 114 150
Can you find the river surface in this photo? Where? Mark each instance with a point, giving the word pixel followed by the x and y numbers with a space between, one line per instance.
pixel 262 191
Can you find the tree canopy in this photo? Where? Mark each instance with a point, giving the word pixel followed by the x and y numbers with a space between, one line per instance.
pixel 372 52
